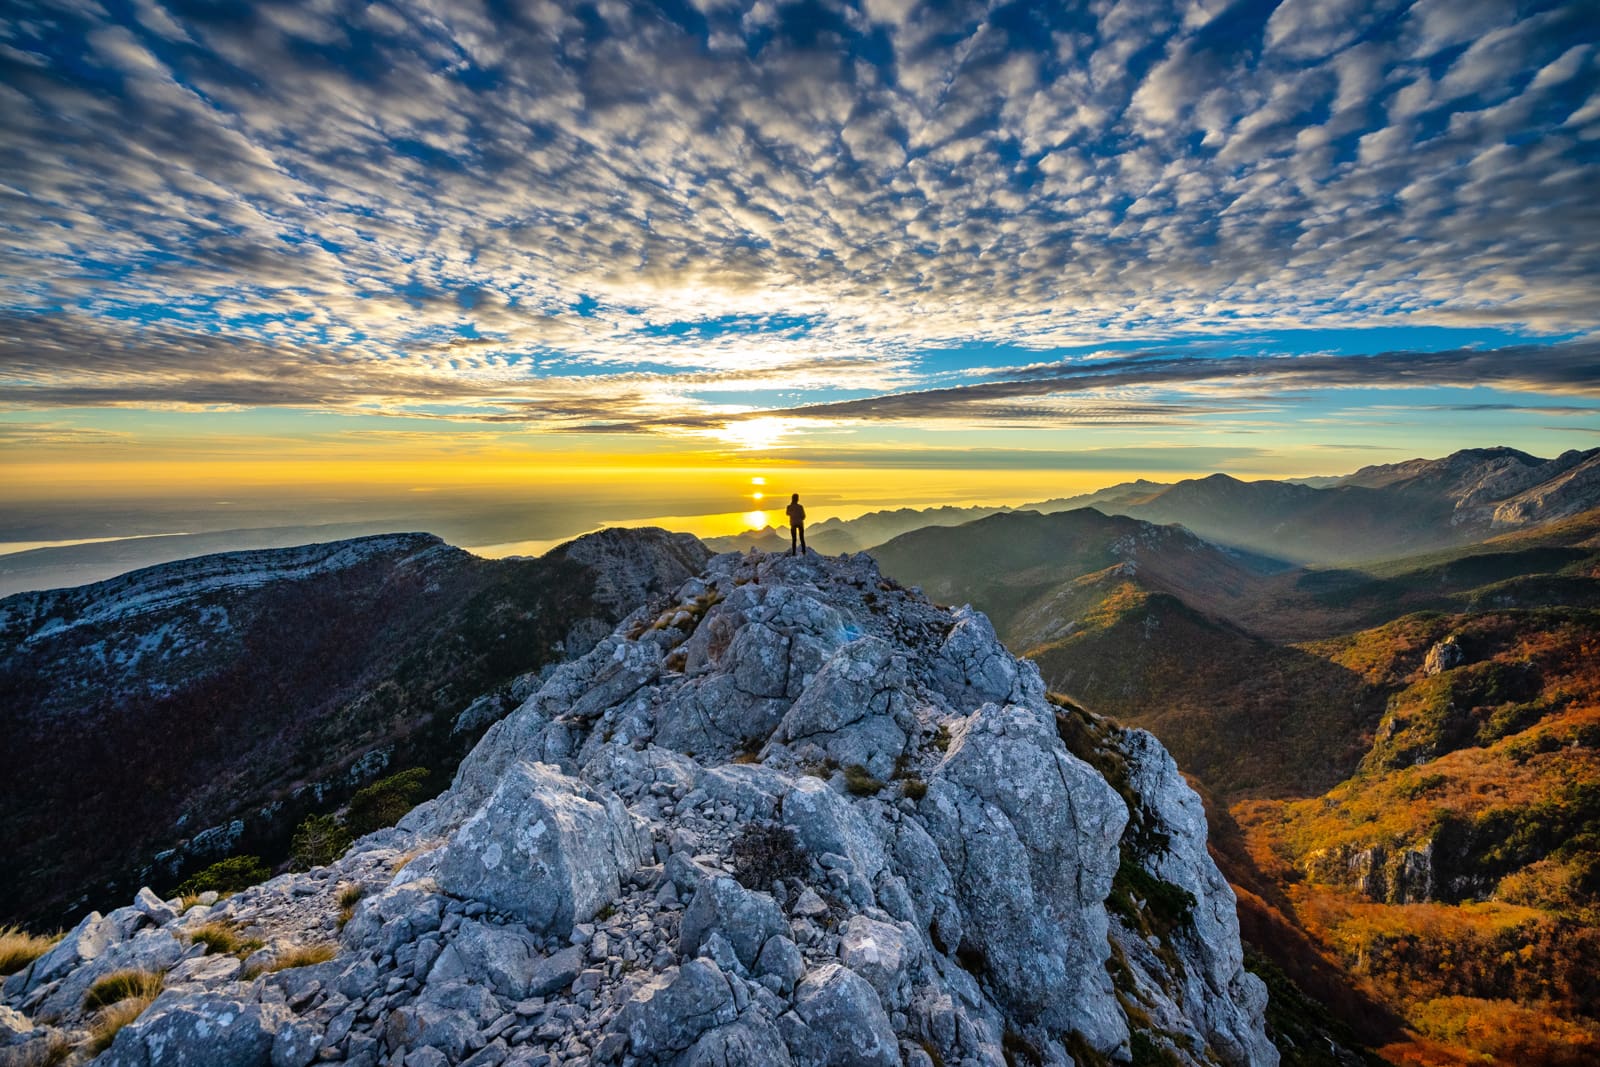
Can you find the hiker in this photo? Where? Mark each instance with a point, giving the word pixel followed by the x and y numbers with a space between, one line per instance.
pixel 797 525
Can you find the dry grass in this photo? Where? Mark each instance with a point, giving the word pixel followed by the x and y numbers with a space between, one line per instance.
pixel 18 948
pixel 224 937
pixel 406 857
pixel 123 985
pixel 297 956
pixel 114 1018
pixel 57 1050
pixel 349 896
pixel 192 900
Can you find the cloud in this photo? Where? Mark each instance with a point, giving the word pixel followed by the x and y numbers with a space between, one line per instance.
pixel 588 216
pixel 1571 369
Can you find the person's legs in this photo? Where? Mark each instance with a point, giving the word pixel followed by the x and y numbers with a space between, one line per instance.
pixel 794 539
pixel 801 529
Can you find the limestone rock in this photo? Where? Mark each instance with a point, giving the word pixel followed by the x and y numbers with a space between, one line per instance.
pixel 849 1022
pixel 669 1013
pixel 746 919
pixel 1029 833
pixel 185 1030
pixel 1443 656
pixel 545 847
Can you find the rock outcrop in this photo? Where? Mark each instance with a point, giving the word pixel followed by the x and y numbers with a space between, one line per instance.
pixel 801 817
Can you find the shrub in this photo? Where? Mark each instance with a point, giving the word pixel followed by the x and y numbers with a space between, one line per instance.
pixel 1147 902
pixel 750 749
pixel 762 854
pixel 226 876
pixel 122 985
pixel 319 839
pixel 224 937
pixel 913 787
pixel 18 948
pixel 386 802
pixel 858 780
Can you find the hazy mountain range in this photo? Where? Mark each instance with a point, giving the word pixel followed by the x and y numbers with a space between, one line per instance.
pixel 1375 513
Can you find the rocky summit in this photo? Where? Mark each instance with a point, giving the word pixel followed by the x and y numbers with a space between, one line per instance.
pixel 794 815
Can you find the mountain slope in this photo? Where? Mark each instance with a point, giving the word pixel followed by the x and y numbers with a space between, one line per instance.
pixel 1013 564
pixel 1246 716
pixel 202 708
pixel 1458 872
pixel 710 866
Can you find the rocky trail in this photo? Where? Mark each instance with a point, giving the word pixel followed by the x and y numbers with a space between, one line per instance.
pixel 794 815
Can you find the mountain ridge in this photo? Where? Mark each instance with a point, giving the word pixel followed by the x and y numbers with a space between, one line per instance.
pixel 260 686
pixel 610 903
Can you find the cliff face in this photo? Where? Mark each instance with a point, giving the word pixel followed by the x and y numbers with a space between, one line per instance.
pixel 793 815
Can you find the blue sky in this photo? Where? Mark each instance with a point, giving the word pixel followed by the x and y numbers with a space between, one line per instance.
pixel 853 228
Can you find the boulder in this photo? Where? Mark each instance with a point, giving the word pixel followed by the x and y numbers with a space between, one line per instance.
pixel 846 1019
pixel 780 959
pixel 972 665
pixel 185 1029
pixel 556 971
pixel 855 709
pixel 745 918
pixel 93 936
pixel 153 907
pixel 669 1013
pixel 545 847
pixel 752 1041
pixel 881 953
pixel 1029 833
pixel 824 822
pixel 500 957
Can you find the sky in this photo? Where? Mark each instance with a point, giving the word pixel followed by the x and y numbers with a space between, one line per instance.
pixel 327 261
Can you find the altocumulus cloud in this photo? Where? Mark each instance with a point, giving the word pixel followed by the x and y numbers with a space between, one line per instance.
pixel 609 216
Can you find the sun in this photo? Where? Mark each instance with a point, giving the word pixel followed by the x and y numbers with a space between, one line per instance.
pixel 758 434
pixel 755 520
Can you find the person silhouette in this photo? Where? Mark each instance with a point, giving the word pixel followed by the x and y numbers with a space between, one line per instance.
pixel 797 525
